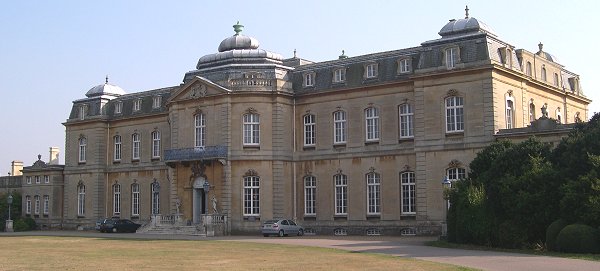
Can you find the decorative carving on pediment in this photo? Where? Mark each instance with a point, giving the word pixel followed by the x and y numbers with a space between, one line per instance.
pixel 308 173
pixel 198 90
pixel 406 168
pixel 510 92
pixel 198 169
pixel 452 92
pixel 80 183
pixel 454 164
pixel 251 110
pixel 250 172
pixel 339 171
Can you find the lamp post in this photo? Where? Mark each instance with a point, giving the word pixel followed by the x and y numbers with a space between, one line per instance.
pixel 446 185
pixel 9 222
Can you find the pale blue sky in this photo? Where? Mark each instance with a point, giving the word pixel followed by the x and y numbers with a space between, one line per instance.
pixel 53 52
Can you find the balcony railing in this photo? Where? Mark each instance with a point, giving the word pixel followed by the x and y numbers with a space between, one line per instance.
pixel 200 153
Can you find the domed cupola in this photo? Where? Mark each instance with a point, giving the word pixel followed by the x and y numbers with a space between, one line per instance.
pixel 105 89
pixel 468 25
pixel 238 41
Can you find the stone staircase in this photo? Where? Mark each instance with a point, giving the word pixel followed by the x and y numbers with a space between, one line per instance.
pixel 173 229
pixel 212 225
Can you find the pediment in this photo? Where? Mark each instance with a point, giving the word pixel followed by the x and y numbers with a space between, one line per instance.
pixel 198 88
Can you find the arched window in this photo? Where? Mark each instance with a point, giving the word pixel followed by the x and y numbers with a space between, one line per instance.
pixel 251 196
pixel 200 130
pixel 528 68
pixel 373 193
pixel 341 194
pixel 117 154
pixel 155 197
pixel 310 135
pixel 556 79
pixel 251 129
pixel 80 200
pixel 310 192
pixel 339 127
pixel 531 112
pixel 155 144
pixel 509 113
pixel 82 149
pixel 406 120
pixel 372 124
pixel 116 199
pixel 135 199
pixel 454 114
pixel 408 192
pixel 543 73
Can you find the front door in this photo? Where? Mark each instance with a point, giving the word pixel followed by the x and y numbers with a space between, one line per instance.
pixel 198 200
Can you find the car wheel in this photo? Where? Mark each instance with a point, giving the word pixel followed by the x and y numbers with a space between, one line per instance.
pixel 281 233
pixel 114 229
pixel 265 235
pixel 300 232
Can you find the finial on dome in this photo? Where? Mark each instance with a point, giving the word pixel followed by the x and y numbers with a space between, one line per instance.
pixel 106 82
pixel 39 157
pixel 294 53
pixel 237 28
pixel 541 46
pixel 343 55
pixel 466 12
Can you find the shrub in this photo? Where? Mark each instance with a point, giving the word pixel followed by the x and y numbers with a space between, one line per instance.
pixel 578 238
pixel 31 225
pixel 511 235
pixel 20 225
pixel 552 232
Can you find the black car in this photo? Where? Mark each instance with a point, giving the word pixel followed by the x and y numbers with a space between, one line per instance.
pixel 119 225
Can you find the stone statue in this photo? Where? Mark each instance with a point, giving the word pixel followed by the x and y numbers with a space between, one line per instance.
pixel 177 204
pixel 545 111
pixel 214 204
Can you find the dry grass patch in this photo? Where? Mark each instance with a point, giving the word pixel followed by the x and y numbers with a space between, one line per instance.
pixel 76 253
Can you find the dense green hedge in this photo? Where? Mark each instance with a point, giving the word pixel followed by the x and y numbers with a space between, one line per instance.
pixel 553 231
pixel 578 238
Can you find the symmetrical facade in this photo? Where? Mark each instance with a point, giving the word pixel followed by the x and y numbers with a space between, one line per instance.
pixel 358 145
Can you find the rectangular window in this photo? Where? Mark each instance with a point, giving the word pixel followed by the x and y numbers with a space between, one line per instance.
pixel 406 121
pixel 28 205
pixel 408 192
pixel 137 105
pixel 135 152
pixel 339 127
pixel 117 154
pixel 509 114
pixel 155 198
pixel 310 190
pixel 117 199
pixel 82 149
pixel 556 79
pixel 46 179
pixel 155 144
pixel 251 130
pixel 455 174
pixel 339 75
pixel 451 57
pixel 36 209
pixel 135 199
pixel 82 112
pixel 454 114
pixel 373 194
pixel 309 79
pixel 371 71
pixel 118 107
pixel 528 68
pixel 46 204
pixel 404 65
pixel 28 179
pixel 341 194
pixel 251 196
pixel 37 179
pixel 156 100
pixel 200 130
pixel 309 130
pixel 372 124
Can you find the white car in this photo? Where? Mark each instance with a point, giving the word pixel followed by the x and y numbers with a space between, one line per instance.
pixel 281 227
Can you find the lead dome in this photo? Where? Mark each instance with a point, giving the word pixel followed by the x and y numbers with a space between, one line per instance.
pixel 105 89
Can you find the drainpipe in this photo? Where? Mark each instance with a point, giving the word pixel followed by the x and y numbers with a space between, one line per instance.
pixel 293 159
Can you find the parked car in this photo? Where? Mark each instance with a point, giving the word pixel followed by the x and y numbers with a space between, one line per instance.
pixel 281 227
pixel 100 221
pixel 119 225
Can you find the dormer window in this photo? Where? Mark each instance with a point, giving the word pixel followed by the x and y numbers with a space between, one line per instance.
pixel 309 79
pixel 556 79
pixel 339 75
pixel 156 102
pixel 404 65
pixel 137 105
pixel 451 57
pixel 82 111
pixel 118 107
pixel 371 70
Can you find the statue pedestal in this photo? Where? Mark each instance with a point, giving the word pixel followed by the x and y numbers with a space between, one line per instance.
pixel 9 226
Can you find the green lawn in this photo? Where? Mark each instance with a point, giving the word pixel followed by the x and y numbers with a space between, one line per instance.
pixel 78 253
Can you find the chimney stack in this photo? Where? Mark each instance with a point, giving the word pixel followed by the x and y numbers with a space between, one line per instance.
pixel 53 159
pixel 16 167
